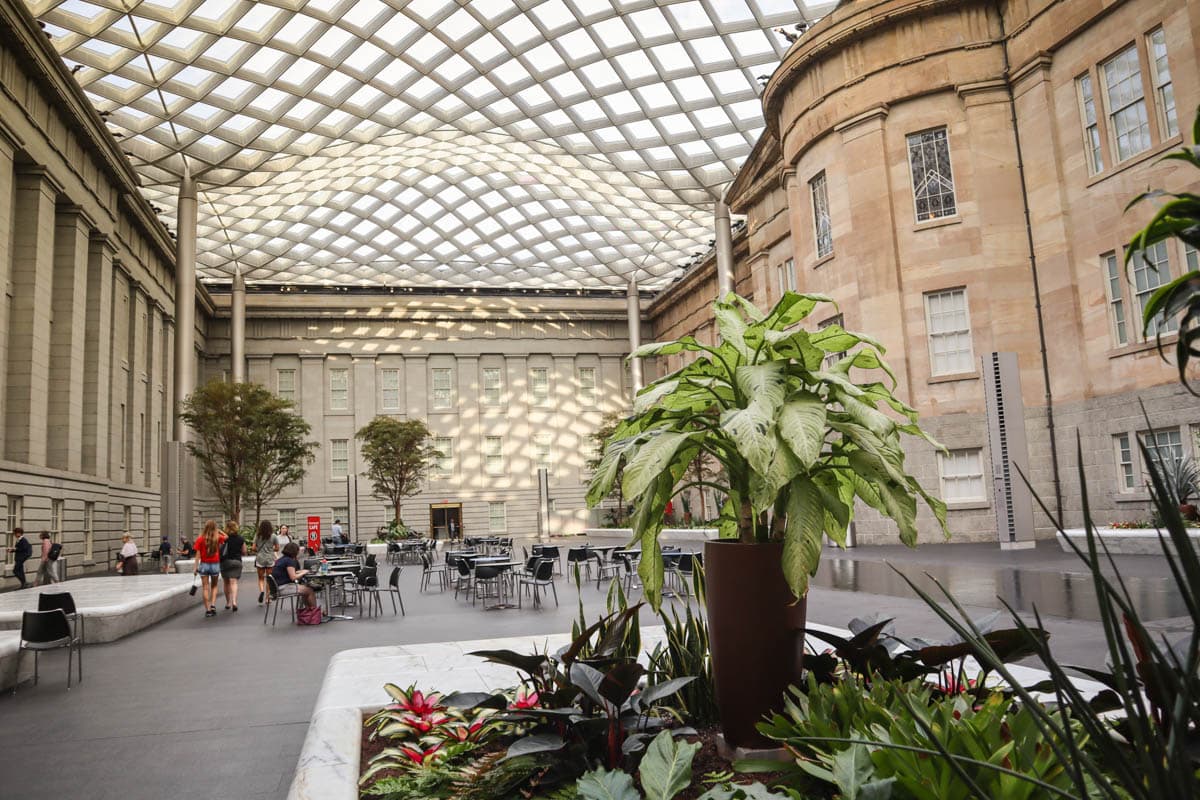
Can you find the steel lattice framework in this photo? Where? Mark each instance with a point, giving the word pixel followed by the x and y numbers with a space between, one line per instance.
pixel 566 144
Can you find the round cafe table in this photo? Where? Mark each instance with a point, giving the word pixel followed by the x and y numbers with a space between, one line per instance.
pixel 324 584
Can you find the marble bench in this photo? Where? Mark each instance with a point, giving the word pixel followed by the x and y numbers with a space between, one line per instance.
pixel 15 667
pixel 1124 541
pixel 111 607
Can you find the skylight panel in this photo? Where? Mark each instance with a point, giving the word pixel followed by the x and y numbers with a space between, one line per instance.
pixel 213 10
pixel 600 75
pixel 484 49
pixel 752 44
pixel 297 29
pixel 636 65
pixel 364 57
pixel 364 12
pixel 672 57
pixel 553 14
pixel 395 31
pixel 426 50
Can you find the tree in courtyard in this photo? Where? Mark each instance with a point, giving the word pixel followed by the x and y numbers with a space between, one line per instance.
pixel 248 443
pixel 608 424
pixel 398 455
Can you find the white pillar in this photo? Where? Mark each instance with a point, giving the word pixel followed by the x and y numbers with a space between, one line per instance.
pixel 237 328
pixel 724 239
pixel 634 310
pixel 185 298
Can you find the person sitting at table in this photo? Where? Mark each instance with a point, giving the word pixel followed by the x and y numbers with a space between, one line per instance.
pixel 287 571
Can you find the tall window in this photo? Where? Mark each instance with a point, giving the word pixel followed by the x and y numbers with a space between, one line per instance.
pixel 493 386
pixel 949 328
pixel 145 527
pixel 443 388
pixel 962 475
pixel 539 385
pixel 89 530
pixel 932 179
pixel 124 436
pixel 144 428
pixel 1192 258
pixel 339 458
pixel 127 520
pixel 339 389
pixel 831 358
pixel 285 384
pixel 1151 269
pixel 587 386
pixel 1126 480
pixel 1164 92
pixel 16 505
pixel 287 516
pixel 497 518
pixel 822 224
pixel 787 276
pixel 444 461
pixel 541 451
pixel 56 520
pixel 493 455
pixel 389 389
pixel 1128 122
pixel 1091 125
pixel 1165 447
pixel 1116 299
pixel 343 513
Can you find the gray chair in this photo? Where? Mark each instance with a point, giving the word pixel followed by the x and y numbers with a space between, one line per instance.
pixel 49 630
pixel 543 575
pixel 429 570
pixel 276 595
pixel 604 569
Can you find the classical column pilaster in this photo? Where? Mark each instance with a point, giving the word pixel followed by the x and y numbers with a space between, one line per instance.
pixel 8 146
pixel 311 390
pixel 64 401
pixel 633 311
pixel 97 357
pixel 724 246
pixel 185 299
pixel 237 328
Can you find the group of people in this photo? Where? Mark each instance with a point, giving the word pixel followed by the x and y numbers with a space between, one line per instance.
pixel 22 550
pixel 219 554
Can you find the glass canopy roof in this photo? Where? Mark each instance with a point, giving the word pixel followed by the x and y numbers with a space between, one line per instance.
pixel 562 144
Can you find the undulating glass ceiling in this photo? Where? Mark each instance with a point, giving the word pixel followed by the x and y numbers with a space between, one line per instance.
pixel 566 144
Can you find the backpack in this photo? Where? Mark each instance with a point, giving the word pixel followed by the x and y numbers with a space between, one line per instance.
pixel 308 615
pixel 55 551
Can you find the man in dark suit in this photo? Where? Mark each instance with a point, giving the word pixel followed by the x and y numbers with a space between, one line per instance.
pixel 22 550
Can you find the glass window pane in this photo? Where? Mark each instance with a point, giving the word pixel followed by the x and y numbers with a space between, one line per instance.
pixel 932 178
pixel 822 223
pixel 1126 103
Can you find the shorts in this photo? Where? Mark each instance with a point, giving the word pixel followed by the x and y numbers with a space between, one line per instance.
pixel 231 568
pixel 210 568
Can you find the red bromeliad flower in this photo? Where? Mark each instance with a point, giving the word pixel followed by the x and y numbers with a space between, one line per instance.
pixel 524 699
pixel 417 702
pixel 424 723
pixel 420 756
pixel 464 731
pixel 952 685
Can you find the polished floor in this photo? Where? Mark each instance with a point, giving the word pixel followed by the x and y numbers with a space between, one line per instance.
pixel 218 708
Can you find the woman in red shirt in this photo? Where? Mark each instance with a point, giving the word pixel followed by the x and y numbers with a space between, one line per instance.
pixel 208 564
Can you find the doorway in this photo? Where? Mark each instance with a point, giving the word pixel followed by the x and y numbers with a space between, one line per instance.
pixel 445 520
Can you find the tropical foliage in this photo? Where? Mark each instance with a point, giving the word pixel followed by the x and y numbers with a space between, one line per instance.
pixel 399 454
pixel 798 439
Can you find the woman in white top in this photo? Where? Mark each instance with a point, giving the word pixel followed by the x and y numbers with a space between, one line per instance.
pixel 128 556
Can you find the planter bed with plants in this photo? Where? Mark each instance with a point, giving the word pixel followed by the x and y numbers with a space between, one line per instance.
pixel 1123 541
pixel 668 534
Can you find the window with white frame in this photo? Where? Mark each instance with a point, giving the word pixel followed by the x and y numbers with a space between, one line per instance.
pixel 389 389
pixel 1192 258
pixel 56 520
pixel 287 516
pixel 497 517
pixel 339 458
pixel 587 386
pixel 818 189
pixel 539 385
pixel 1129 124
pixel 145 527
pixel 493 455
pixel 831 358
pixel 961 474
pixel 124 436
pixel 541 452
pixel 949 326
pixel 147 441
pixel 1152 269
pixel 1091 124
pixel 1126 477
pixel 285 384
pixel 1116 299
pixel 443 388
pixel 89 530
pixel 786 275
pixel 342 513
pixel 127 520
pixel 16 507
pixel 339 389
pixel 932 177
pixel 1165 447
pixel 1164 91
pixel 443 464
pixel 493 386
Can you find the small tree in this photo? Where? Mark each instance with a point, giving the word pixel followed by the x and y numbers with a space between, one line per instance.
pixel 608 424
pixel 398 456
pixel 248 443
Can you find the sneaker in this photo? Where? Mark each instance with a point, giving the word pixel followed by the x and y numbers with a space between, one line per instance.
pixel 260 597
pixel 235 609
pixel 212 612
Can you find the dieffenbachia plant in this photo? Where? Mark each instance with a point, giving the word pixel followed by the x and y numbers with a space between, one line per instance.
pixel 798 440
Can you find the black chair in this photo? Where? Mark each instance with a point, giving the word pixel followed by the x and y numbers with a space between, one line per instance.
pixel 580 556
pixel 49 630
pixel 275 596
pixel 429 570
pixel 48 601
pixel 550 551
pixel 604 569
pixel 543 575
pixel 466 577
pixel 367 590
pixel 393 552
pixel 393 591
pixel 488 578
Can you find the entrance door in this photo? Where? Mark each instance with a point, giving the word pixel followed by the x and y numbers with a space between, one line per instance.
pixel 445 520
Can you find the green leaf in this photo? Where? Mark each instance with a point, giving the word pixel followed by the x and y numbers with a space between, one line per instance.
pixel 802 536
pixel 601 784
pixel 868 416
pixel 652 458
pixel 537 743
pixel 687 343
pixel 802 426
pixel 752 428
pixel 834 339
pixel 666 769
pixel 794 307
pixel 649 397
pixel 852 770
pixel 765 486
pixel 732 328
pixel 606 473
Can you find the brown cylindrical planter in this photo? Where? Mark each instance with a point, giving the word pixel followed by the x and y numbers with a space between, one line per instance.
pixel 756 635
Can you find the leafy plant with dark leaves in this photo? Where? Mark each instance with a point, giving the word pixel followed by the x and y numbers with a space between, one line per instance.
pixel 685 653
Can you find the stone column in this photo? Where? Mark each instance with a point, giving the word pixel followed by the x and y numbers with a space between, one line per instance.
pixel 29 320
pixel 9 142
pixel 311 389
pixel 69 307
pixel 237 328
pixel 97 356
pixel 724 249
pixel 634 312
pixel 185 299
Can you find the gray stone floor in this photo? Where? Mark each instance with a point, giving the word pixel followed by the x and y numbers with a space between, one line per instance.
pixel 218 708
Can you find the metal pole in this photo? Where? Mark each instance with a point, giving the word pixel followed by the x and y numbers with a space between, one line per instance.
pixel 355 528
pixel 237 328
pixel 724 237
pixel 634 310
pixel 185 298
pixel 349 504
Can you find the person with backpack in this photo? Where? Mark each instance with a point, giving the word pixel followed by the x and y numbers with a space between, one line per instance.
pixel 231 562
pixel 50 553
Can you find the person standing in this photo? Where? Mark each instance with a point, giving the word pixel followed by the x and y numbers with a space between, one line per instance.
pixel 208 564
pixel 45 573
pixel 231 562
pixel 22 550
pixel 164 554
pixel 128 556
pixel 282 539
pixel 338 537
pixel 265 545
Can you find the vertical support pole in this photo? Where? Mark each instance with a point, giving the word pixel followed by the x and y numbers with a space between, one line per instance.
pixel 185 299
pixel 634 310
pixel 237 328
pixel 724 237
pixel 543 479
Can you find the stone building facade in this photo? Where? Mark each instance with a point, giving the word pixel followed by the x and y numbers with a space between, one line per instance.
pixel 954 175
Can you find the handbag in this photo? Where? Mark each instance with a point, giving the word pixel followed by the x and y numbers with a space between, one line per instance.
pixel 192 591
pixel 120 564
pixel 308 615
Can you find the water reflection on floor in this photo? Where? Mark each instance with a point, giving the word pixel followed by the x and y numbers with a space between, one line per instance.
pixel 1069 595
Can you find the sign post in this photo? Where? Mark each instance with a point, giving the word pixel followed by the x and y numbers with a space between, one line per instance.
pixel 314 534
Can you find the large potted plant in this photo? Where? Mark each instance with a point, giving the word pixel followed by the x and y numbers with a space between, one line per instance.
pixel 802 424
